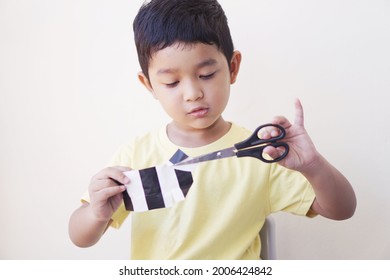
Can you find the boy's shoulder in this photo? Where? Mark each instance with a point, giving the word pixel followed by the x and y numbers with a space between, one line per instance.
pixel 146 149
pixel 148 140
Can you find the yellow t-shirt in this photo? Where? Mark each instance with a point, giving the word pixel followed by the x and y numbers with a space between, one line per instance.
pixel 224 209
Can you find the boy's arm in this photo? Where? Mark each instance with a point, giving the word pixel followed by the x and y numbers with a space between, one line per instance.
pixel 335 198
pixel 84 229
pixel 88 223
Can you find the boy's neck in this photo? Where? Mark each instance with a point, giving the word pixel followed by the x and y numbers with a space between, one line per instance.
pixel 193 138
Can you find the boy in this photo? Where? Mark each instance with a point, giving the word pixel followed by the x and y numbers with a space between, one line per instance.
pixel 188 64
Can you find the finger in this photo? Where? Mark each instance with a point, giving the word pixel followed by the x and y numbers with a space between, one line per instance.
pixel 106 193
pixel 274 152
pixel 282 121
pixel 299 117
pixel 99 184
pixel 114 173
pixel 116 200
pixel 269 132
pixel 275 131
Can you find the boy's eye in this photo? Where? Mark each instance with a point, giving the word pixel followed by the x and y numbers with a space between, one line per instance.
pixel 171 85
pixel 206 77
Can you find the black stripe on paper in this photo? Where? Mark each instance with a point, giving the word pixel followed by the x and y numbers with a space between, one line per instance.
pixel 127 201
pixel 151 185
pixel 185 180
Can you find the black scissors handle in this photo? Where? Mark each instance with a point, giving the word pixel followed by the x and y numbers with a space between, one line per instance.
pixel 250 147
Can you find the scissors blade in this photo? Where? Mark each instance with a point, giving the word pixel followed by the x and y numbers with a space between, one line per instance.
pixel 229 152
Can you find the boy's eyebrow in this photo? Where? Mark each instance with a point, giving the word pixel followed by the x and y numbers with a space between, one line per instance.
pixel 207 62
pixel 166 71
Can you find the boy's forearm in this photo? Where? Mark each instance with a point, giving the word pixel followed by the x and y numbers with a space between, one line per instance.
pixel 335 198
pixel 84 229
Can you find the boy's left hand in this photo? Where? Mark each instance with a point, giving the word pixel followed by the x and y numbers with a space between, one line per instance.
pixel 302 154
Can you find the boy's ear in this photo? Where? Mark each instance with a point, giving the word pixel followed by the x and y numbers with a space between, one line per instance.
pixel 235 66
pixel 145 81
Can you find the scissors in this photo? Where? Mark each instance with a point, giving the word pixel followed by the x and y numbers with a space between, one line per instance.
pixel 251 147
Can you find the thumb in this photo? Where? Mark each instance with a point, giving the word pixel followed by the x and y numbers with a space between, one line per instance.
pixel 299 116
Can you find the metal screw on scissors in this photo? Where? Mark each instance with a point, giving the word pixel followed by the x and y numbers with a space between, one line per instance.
pixel 251 147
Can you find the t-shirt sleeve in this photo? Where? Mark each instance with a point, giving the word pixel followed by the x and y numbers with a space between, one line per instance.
pixel 290 191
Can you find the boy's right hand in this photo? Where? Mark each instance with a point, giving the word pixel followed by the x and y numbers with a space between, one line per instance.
pixel 105 191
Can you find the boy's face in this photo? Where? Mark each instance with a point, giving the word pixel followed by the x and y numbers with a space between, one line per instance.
pixel 192 83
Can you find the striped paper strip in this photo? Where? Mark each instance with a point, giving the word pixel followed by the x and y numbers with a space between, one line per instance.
pixel 158 187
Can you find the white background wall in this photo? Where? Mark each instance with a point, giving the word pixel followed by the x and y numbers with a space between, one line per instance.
pixel 69 97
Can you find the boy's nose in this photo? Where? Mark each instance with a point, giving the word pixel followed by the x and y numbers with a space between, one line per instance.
pixel 192 92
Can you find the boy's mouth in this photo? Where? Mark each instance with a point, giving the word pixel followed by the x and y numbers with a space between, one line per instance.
pixel 199 112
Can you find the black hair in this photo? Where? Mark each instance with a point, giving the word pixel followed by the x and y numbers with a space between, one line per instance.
pixel 162 23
